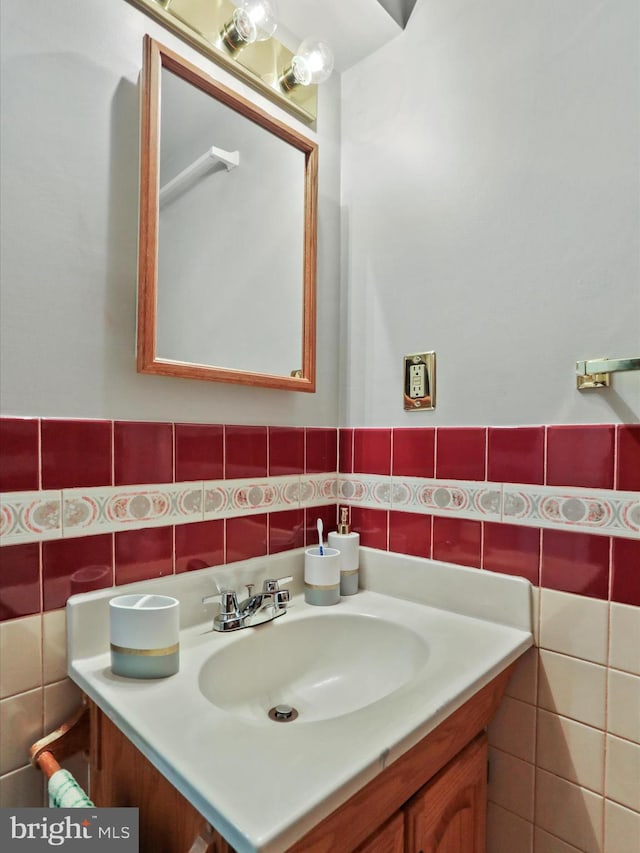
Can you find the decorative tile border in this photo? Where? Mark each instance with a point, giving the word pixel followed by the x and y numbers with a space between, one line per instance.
pixel 36 516
pixel 318 489
pixel 30 516
pixel 229 498
pixel 465 499
pixel 103 510
pixel 586 510
pixel 365 490
pixel 602 511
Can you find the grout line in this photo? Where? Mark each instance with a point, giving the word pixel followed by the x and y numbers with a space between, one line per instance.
pixel 113 453
pixel 39 443
pixel 173 452
pixel 563 841
pixel 540 560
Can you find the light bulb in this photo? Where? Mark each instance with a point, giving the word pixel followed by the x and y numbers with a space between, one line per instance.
pixel 312 63
pixel 253 20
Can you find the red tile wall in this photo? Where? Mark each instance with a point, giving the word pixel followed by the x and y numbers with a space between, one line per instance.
pixel 590 456
pixel 56 454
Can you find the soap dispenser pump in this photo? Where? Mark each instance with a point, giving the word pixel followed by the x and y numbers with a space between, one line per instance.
pixel 348 543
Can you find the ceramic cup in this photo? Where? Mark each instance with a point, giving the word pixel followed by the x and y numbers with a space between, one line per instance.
pixel 144 632
pixel 322 576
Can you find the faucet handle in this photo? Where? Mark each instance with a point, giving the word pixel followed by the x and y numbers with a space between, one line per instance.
pixel 228 601
pixel 281 599
pixel 273 584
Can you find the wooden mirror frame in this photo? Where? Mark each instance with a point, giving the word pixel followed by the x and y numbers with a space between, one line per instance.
pixel 157 57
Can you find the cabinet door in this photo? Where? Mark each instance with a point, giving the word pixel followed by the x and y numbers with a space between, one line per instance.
pixel 448 815
pixel 122 776
pixel 388 839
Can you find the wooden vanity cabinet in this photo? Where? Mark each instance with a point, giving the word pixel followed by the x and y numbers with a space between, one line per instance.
pixel 388 839
pixel 432 799
pixel 449 814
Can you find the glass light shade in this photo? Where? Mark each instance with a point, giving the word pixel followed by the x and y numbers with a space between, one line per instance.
pixel 312 63
pixel 255 20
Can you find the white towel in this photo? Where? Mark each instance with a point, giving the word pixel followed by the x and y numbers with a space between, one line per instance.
pixel 66 793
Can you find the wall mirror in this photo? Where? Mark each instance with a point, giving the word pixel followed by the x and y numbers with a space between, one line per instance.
pixel 227 243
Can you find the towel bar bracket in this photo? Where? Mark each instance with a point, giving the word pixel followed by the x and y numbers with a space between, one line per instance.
pixel 596 372
pixel 69 738
pixel 590 381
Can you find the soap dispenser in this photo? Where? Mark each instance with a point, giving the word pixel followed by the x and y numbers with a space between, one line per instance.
pixel 349 546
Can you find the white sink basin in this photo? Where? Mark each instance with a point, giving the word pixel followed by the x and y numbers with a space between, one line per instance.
pixel 324 666
pixel 369 678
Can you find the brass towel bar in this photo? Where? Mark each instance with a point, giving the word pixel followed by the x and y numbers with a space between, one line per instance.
pixel 596 372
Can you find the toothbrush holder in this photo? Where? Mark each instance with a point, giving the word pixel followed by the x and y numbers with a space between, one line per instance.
pixel 322 576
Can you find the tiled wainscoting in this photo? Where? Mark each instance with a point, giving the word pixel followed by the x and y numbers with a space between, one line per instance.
pixel 559 506
pixel 91 504
pixel 97 503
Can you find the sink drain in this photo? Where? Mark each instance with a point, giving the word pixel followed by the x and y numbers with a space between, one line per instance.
pixel 283 713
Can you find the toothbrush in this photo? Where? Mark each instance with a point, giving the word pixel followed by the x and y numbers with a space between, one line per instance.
pixel 319 526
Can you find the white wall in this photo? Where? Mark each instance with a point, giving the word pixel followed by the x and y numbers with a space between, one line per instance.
pixel 69 153
pixel 491 195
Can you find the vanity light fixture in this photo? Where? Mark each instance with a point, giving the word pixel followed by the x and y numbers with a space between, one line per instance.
pixel 253 20
pixel 240 35
pixel 312 63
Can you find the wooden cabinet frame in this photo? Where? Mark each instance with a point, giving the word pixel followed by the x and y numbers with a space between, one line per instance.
pixel 122 776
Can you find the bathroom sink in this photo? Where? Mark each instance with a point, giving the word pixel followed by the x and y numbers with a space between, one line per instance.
pixel 370 678
pixel 323 666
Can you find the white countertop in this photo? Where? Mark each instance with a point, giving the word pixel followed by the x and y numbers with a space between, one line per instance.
pixel 261 784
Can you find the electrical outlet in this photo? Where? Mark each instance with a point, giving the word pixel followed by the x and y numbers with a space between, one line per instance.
pixel 419 381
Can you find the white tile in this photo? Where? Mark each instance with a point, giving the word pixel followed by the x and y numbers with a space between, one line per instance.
pixel 570 812
pixel 511 782
pixel 535 602
pixel 54 645
pixel 61 701
pixel 507 832
pixel 545 843
pixel 624 650
pixel 20 655
pixel 571 750
pixel 622 782
pixel 523 684
pixel 21 725
pixel 621 829
pixel 623 715
pixel 573 688
pixel 574 625
pixel 513 729
pixel 23 788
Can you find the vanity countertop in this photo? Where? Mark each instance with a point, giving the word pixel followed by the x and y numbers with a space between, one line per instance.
pixel 263 784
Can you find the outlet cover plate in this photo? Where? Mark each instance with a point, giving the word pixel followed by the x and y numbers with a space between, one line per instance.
pixel 419 381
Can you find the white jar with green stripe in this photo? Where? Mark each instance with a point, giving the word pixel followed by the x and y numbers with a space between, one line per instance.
pixel 144 632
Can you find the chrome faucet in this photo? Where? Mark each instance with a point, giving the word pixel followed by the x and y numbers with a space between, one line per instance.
pixel 254 610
